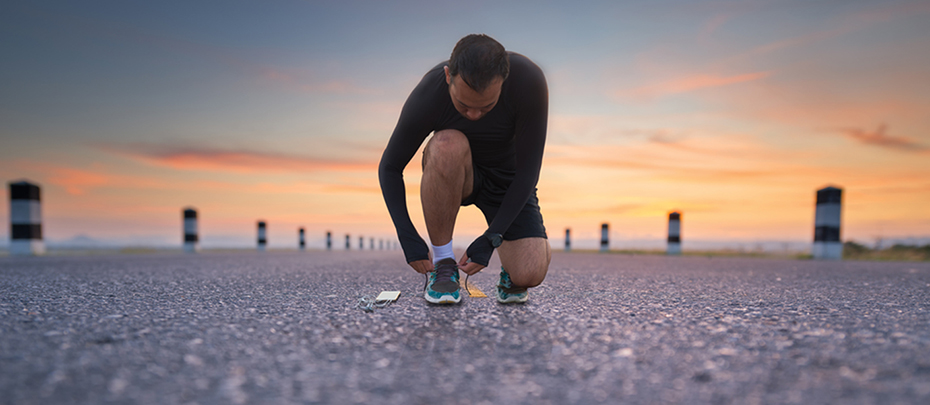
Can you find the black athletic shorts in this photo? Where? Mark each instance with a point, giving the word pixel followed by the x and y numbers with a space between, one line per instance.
pixel 490 185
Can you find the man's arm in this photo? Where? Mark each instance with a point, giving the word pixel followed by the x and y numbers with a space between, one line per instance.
pixel 529 143
pixel 412 128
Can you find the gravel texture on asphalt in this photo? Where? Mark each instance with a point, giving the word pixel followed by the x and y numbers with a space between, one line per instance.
pixel 282 327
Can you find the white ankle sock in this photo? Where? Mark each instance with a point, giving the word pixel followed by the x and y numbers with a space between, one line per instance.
pixel 443 252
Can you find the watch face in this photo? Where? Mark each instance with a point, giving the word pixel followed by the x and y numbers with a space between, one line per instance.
pixel 496 239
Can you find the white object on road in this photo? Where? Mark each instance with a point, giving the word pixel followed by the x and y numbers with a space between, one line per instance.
pixel 382 300
pixel 388 296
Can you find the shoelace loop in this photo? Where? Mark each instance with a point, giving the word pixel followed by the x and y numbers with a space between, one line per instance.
pixel 444 272
pixel 426 282
pixel 368 303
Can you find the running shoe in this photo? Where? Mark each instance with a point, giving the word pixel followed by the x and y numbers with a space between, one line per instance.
pixel 443 284
pixel 507 293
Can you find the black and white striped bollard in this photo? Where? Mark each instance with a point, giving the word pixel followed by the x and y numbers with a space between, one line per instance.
pixel 329 240
pixel 301 241
pixel 25 220
pixel 568 239
pixel 262 236
pixel 361 243
pixel 191 238
pixel 827 219
pixel 380 244
pixel 605 240
pixel 674 234
pixel 347 242
pixel 372 244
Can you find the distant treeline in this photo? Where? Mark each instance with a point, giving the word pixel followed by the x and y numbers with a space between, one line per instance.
pixel 856 251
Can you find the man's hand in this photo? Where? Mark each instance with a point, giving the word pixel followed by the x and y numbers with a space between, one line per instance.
pixel 422 266
pixel 479 252
pixel 468 267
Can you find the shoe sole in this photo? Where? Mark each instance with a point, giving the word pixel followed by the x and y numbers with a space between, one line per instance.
pixel 444 299
pixel 513 300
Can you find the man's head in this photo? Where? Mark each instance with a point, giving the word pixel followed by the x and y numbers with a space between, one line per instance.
pixel 477 69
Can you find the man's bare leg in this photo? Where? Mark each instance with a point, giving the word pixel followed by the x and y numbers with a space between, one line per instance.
pixel 526 260
pixel 448 178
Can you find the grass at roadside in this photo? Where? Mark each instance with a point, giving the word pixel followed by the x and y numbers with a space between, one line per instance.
pixel 855 251
pixel 851 251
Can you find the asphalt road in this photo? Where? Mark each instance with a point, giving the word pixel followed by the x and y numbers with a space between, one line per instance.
pixel 283 328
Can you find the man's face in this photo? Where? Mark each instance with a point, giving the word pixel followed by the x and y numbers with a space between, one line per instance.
pixel 470 103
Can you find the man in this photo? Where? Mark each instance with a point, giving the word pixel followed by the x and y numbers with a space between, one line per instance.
pixel 487 109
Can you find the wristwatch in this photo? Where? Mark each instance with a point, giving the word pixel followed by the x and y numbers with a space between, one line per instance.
pixel 495 238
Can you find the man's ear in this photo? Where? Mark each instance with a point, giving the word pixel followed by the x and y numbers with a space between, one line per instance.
pixel 448 76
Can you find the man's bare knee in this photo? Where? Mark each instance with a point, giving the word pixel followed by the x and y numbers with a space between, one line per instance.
pixel 526 260
pixel 528 278
pixel 447 163
pixel 445 145
pixel 450 134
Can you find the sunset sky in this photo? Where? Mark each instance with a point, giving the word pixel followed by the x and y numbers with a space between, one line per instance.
pixel 733 112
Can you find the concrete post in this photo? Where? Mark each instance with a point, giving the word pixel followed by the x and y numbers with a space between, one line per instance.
pixel 347 242
pixel 372 245
pixel 25 220
pixel 301 241
pixel 674 234
pixel 191 238
pixel 262 236
pixel 361 243
pixel 380 244
pixel 827 218
pixel 605 237
pixel 568 239
pixel 329 240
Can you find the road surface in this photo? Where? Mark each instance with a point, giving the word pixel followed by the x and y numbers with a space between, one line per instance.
pixel 282 327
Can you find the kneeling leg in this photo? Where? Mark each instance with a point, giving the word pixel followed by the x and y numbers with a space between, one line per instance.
pixel 526 260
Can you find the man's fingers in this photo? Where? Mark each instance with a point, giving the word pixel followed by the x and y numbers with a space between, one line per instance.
pixel 472 268
pixel 463 261
pixel 422 266
pixel 469 268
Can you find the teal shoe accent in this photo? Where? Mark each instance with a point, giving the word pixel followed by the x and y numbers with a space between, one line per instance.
pixel 443 284
pixel 507 293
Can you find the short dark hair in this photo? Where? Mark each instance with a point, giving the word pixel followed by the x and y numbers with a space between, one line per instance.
pixel 478 59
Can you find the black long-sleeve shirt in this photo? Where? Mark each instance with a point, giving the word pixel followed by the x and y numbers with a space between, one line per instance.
pixel 509 138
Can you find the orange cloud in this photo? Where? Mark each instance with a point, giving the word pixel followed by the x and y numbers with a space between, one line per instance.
pixel 715 173
pixel 300 187
pixel 881 139
pixel 714 159
pixel 691 83
pixel 727 185
pixel 716 165
pixel 241 161
pixel 76 181
pixel 683 171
